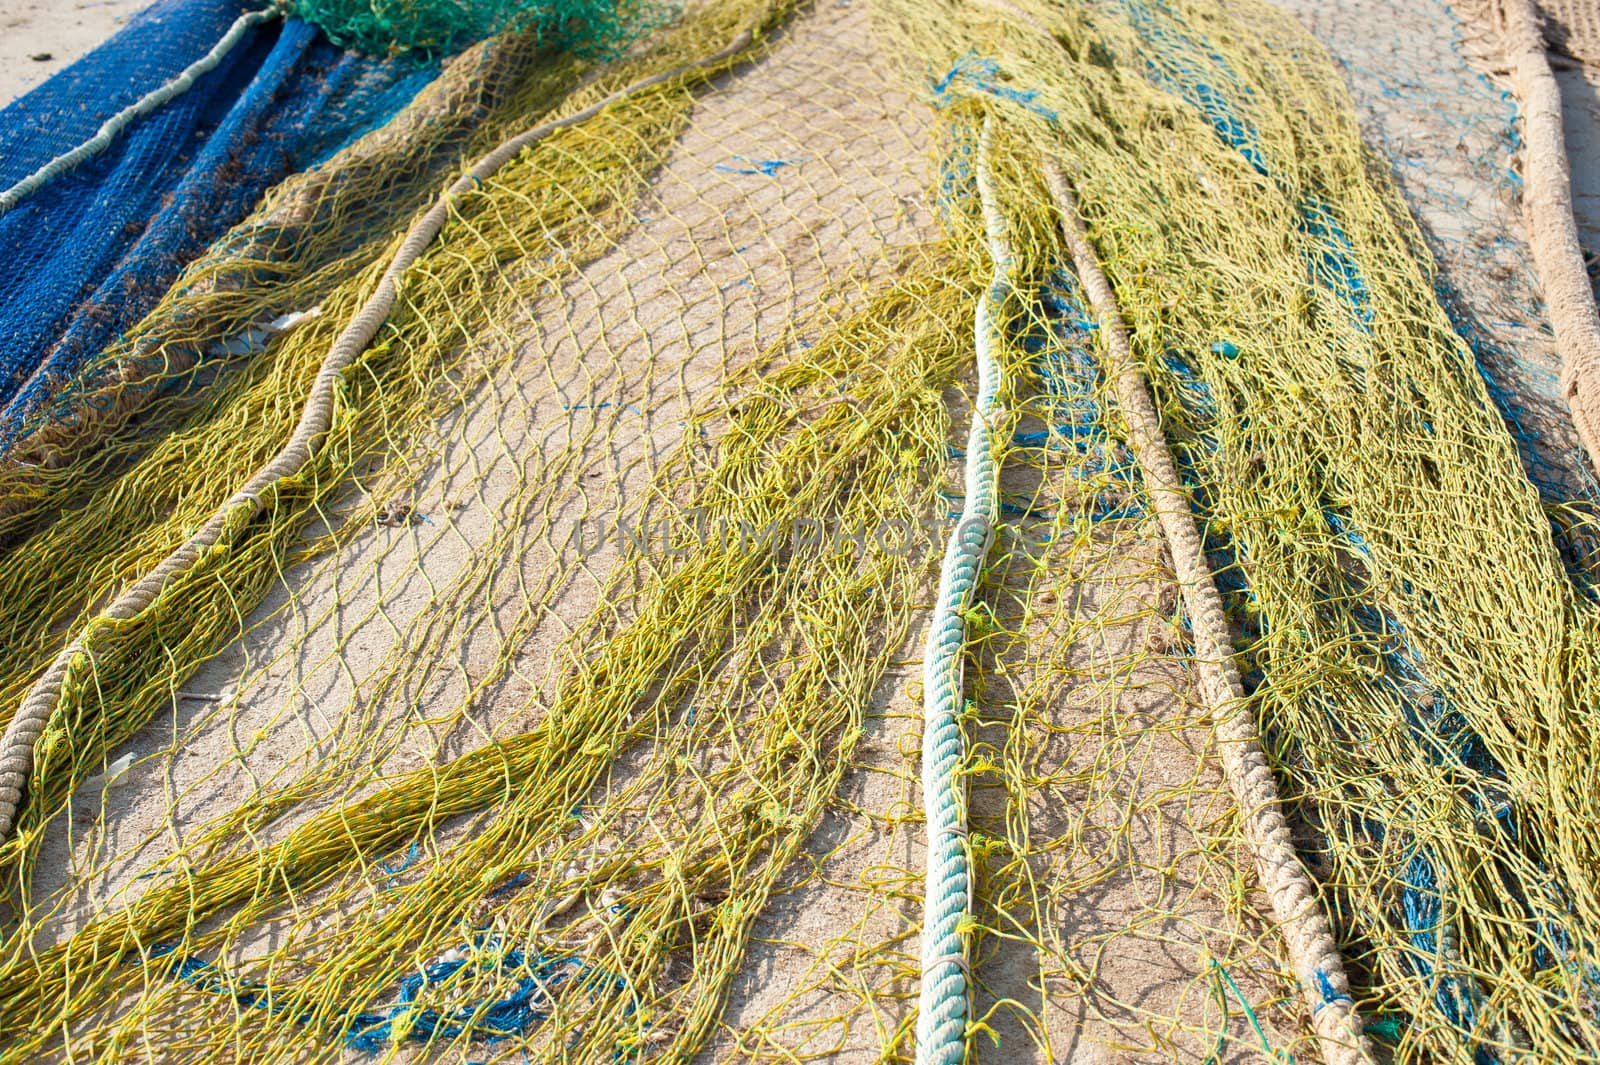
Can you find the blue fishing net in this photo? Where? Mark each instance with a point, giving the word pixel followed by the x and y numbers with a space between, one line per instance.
pixel 92 252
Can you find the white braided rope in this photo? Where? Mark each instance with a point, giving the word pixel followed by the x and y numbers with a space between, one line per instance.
pixel 27 726
pixel 947 886
pixel 1312 951
pixel 141 107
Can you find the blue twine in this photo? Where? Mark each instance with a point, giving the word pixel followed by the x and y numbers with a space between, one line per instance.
pixel 765 167
pixel 538 978
pixel 981 74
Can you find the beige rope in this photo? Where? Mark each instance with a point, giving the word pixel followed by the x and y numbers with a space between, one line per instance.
pixel 1552 230
pixel 22 734
pixel 1312 951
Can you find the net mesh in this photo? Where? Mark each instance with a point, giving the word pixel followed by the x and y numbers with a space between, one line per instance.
pixel 563 708
pixel 442 26
pixel 94 251
pixel 1449 136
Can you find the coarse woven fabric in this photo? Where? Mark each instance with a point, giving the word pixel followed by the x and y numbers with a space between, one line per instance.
pixel 1573 27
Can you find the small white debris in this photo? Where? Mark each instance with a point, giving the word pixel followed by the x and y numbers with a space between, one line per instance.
pixel 225 696
pixel 254 338
pixel 115 770
pixel 285 322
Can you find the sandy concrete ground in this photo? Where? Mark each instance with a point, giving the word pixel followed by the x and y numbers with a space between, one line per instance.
pixel 59 32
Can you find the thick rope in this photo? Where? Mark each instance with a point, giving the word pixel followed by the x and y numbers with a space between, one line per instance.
pixel 947 886
pixel 1552 230
pixel 1312 951
pixel 22 734
pixel 146 104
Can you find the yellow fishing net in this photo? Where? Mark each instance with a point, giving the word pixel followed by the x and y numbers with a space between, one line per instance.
pixel 564 707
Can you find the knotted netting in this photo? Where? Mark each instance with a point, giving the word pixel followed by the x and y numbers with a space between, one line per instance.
pixel 564 706
pixel 442 26
pixel 91 253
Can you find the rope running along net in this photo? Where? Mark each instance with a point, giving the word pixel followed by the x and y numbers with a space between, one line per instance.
pixel 564 702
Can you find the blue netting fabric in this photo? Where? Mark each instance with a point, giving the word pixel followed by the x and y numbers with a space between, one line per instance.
pixel 91 253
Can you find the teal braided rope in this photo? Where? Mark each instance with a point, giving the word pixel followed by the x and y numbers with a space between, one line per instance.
pixel 947 887
pixel 146 104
